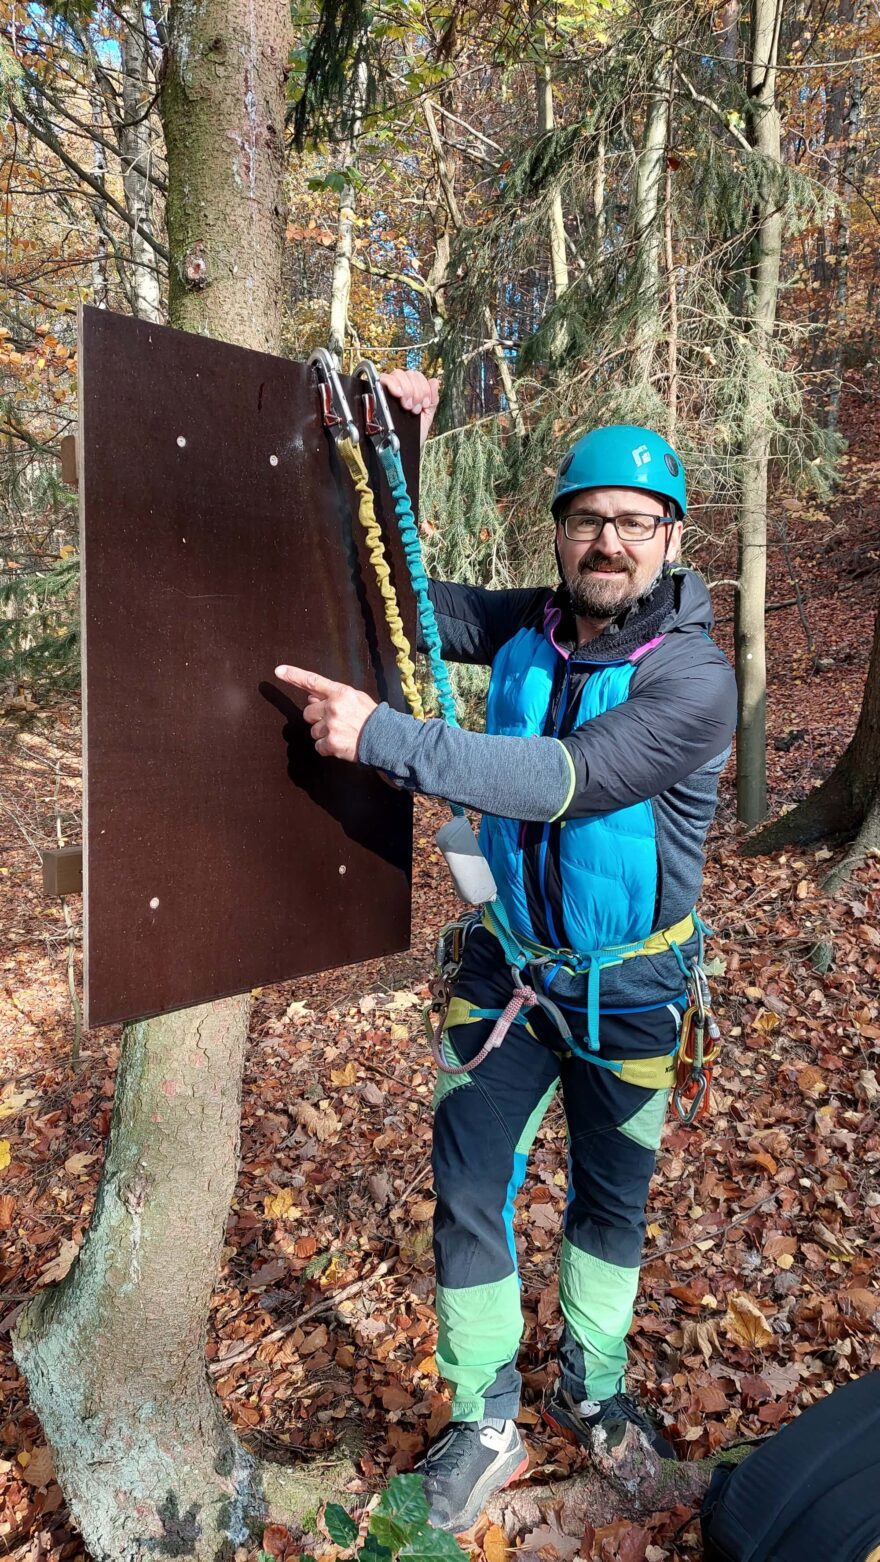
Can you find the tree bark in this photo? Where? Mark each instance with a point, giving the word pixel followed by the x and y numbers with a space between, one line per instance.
pixel 100 287
pixel 751 667
pixel 671 289
pixel 847 804
pixel 114 1354
pixel 223 111
pixel 135 151
pixel 546 123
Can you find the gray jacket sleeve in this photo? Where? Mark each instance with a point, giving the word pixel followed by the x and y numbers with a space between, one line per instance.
pixel 680 715
pixel 519 778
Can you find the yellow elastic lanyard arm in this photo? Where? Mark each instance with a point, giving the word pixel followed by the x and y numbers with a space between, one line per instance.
pixel 353 459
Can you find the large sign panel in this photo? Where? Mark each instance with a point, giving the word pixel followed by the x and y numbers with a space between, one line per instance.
pixel 219 538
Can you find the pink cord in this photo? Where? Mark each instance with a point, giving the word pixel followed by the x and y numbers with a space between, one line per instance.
pixel 521 997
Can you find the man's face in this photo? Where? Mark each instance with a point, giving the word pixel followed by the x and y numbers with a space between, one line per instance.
pixel 608 574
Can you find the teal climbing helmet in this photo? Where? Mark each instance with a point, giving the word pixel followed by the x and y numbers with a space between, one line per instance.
pixel 623 456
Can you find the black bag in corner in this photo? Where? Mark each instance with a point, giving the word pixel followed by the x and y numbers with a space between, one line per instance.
pixel 810 1494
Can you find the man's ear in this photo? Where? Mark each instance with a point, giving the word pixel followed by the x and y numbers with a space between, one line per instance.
pixel 673 547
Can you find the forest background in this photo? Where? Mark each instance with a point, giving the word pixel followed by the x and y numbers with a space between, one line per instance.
pixel 577 213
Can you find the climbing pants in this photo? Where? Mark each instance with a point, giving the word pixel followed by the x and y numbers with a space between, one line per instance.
pixel 484 1127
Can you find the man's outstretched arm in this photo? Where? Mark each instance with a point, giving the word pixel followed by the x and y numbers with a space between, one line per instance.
pixel 635 751
pixel 524 778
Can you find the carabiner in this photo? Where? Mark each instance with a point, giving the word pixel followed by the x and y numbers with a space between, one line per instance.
pixel 337 413
pixel 689 1114
pixel 380 426
pixel 550 1008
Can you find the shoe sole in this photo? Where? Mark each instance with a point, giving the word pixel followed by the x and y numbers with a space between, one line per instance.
pixel 471 1514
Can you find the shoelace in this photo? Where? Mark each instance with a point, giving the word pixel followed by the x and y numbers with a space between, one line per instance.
pixel 455 1449
pixel 457 1446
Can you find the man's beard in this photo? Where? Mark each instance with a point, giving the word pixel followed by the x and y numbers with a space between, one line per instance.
pixel 605 598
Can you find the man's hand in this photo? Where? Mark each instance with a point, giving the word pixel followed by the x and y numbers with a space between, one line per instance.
pixel 416 393
pixel 335 712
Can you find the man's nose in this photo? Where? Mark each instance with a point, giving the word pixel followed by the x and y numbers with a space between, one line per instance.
pixel 608 540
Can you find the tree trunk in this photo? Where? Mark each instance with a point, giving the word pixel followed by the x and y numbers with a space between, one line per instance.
pixel 223 109
pixel 135 152
pixel 340 286
pixel 671 290
pixel 847 805
pixel 502 366
pixel 751 668
pixel 649 193
pixel 546 123
pixel 848 159
pixel 100 288
pixel 555 215
pixel 114 1354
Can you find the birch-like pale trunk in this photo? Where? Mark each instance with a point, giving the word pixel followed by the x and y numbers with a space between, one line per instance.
pixel 672 300
pixel 749 628
pixel 546 123
pixel 340 285
pixel 100 286
pixel 135 151
pixel 114 1354
pixel 555 215
pixel 647 215
pixel 598 194
pixel 503 367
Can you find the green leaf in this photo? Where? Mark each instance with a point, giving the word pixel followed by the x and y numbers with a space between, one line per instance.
pixel 716 967
pixel 341 1526
pixel 431 1545
pixel 404 1499
pixel 373 1551
pixel 388 1532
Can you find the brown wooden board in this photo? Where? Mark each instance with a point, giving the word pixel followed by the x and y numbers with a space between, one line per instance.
pixel 219 538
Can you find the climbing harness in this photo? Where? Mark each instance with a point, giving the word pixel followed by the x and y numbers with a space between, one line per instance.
pixel 687 1068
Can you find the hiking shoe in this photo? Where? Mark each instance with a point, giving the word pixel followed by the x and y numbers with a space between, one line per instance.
pixel 466 1465
pixel 579 1419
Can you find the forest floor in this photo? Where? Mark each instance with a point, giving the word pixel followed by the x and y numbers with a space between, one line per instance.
pixel 759 1291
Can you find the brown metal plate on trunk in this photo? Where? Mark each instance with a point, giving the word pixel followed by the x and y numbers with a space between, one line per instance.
pixel 219 538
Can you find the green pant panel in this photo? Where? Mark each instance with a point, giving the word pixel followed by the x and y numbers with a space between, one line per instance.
pixel 597 1303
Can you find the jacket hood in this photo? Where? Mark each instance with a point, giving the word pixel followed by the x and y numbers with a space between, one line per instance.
pixel 692 604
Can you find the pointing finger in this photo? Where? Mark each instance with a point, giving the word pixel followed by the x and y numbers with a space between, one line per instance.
pixel 301 678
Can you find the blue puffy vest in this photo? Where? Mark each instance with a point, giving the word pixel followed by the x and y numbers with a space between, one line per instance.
pixel 607 863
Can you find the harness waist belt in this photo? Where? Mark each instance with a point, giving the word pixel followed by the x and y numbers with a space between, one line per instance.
pixel 521 952
pixel 652 1073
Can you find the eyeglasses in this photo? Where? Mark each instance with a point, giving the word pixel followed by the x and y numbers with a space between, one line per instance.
pixel 585 526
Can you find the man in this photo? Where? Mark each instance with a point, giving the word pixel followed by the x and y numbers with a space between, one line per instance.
pixel 609 718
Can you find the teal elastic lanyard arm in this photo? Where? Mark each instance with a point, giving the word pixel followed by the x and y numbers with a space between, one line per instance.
pixel 386 443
